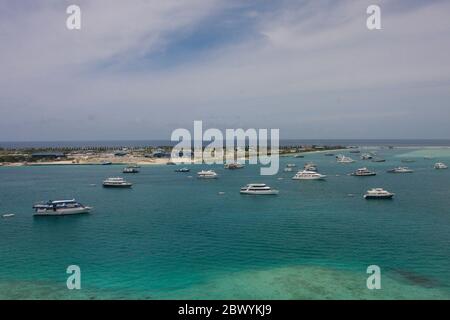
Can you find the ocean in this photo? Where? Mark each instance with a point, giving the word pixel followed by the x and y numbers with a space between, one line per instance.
pixel 173 236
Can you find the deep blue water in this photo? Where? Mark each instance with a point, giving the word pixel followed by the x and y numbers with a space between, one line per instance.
pixel 172 236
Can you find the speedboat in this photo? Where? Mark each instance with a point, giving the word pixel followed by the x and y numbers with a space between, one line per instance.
pixel 116 183
pixel 363 172
pixel 288 169
pixel 401 170
pixel 8 215
pixel 130 170
pixel 378 193
pixel 183 170
pixel 258 189
pixel 207 174
pixel 60 208
pixel 378 160
pixel 310 167
pixel 234 165
pixel 440 165
pixel 408 160
pixel 299 156
pixel 366 156
pixel 308 175
pixel 291 165
pixel 343 159
pixel 329 154
pixel 106 163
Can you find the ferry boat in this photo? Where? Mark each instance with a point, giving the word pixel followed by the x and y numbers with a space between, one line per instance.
pixel 130 170
pixel 440 165
pixel 234 165
pixel 207 174
pixel 343 159
pixel 308 175
pixel 183 170
pixel 116 183
pixel 258 189
pixel 378 193
pixel 401 170
pixel 60 208
pixel 363 172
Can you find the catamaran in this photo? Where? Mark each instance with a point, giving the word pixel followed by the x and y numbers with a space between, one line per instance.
pixel 258 189
pixel 308 175
pixel 60 208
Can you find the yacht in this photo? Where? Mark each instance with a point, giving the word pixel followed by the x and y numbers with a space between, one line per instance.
pixel 116 183
pixel 308 175
pixel 258 189
pixel 60 208
pixel 130 170
pixel 234 165
pixel 378 193
pixel 401 170
pixel 363 172
pixel 183 170
pixel 343 159
pixel 440 165
pixel 310 167
pixel 366 156
pixel 207 174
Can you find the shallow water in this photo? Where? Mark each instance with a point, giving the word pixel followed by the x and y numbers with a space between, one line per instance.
pixel 172 236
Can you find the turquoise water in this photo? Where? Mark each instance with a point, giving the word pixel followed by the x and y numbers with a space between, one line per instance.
pixel 172 236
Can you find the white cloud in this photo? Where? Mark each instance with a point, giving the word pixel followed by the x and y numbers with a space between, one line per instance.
pixel 301 61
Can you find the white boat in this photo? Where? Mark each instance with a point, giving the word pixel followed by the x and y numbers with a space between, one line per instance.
pixel 8 215
pixel 343 159
pixel 234 165
pixel 440 165
pixel 258 189
pixel 378 193
pixel 401 170
pixel 308 175
pixel 116 183
pixel 366 156
pixel 291 165
pixel 130 170
pixel 310 166
pixel 60 208
pixel 363 172
pixel 288 169
pixel 207 174
pixel 183 170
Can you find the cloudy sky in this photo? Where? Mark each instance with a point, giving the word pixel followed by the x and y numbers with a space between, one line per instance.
pixel 140 69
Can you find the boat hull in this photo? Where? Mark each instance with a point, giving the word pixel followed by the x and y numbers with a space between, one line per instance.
pixel 373 197
pixel 118 186
pixel 63 212
pixel 260 193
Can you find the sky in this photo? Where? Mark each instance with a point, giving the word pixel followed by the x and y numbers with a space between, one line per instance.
pixel 141 69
